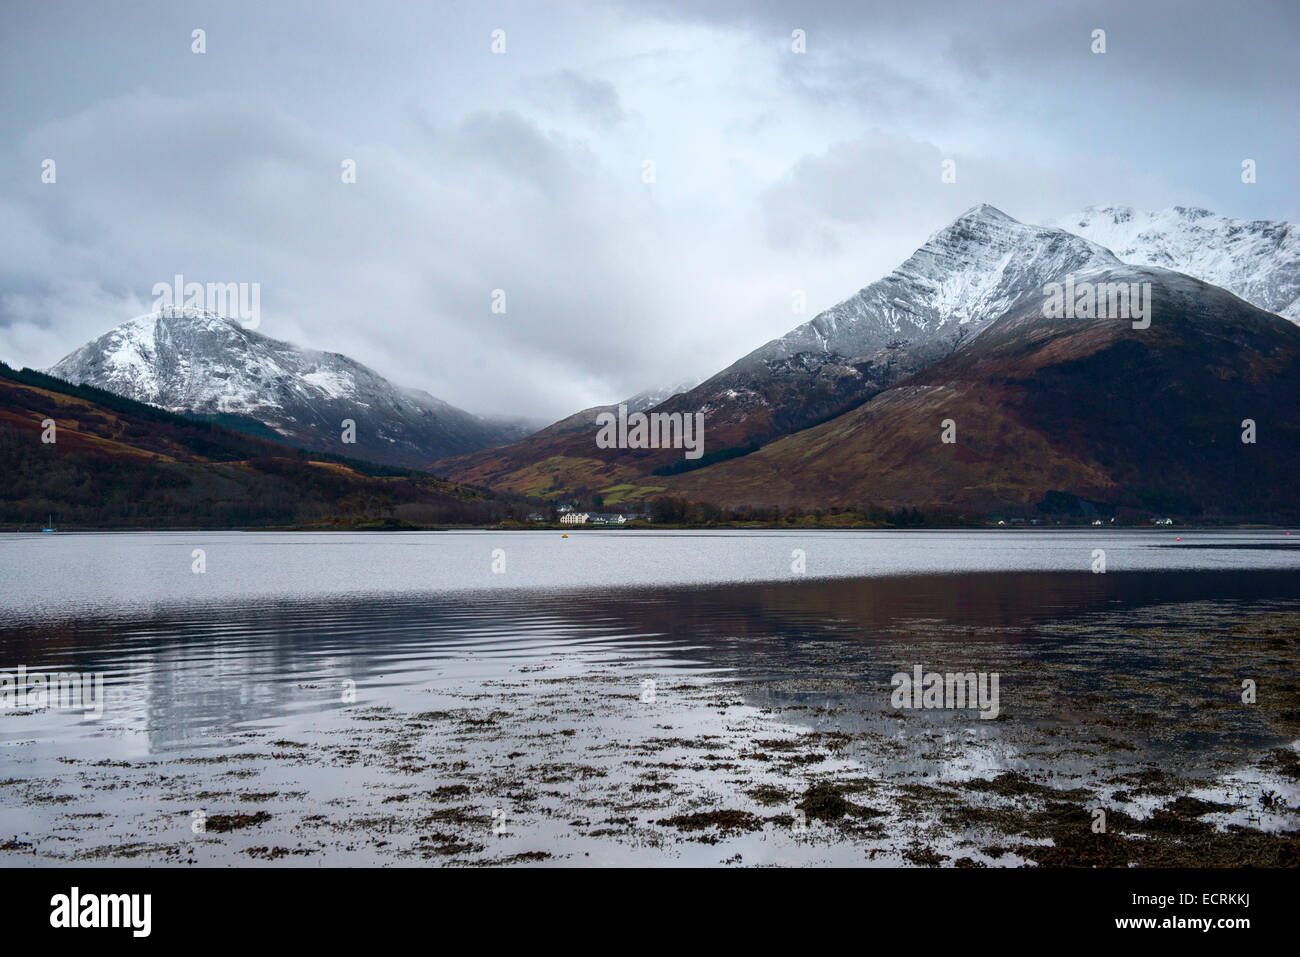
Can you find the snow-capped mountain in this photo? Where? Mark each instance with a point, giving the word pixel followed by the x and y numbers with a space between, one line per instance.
pixel 1081 416
pixel 972 270
pixel 198 362
pixel 1258 260
pixel 964 276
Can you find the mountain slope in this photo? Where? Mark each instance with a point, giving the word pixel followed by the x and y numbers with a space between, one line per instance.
pixel 1258 260
pixel 201 363
pixel 120 463
pixel 965 275
pixel 653 397
pixel 562 458
pixel 1063 414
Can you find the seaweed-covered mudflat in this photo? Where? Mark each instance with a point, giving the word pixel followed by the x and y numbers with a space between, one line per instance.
pixel 1149 719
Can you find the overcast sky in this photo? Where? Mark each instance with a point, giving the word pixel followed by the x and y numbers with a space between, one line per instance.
pixel 524 171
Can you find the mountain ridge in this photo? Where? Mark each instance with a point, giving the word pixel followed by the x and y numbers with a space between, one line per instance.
pixel 202 363
pixel 966 274
pixel 1061 413
pixel 1258 260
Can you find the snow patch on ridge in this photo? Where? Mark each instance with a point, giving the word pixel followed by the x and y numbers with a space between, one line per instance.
pixel 1256 260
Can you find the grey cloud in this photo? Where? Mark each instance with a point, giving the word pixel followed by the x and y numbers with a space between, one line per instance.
pixel 595 99
pixel 397 270
pixel 878 181
pixel 882 92
pixel 776 171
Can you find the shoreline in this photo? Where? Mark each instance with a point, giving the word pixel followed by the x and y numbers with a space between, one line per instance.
pixel 647 527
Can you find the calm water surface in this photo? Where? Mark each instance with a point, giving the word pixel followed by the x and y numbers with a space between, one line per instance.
pixel 64 576
pixel 189 655
pixel 268 639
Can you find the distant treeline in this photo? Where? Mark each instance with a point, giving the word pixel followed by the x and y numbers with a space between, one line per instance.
pixel 677 510
pixel 708 458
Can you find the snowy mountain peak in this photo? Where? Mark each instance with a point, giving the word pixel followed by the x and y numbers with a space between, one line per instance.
pixel 187 360
pixel 188 312
pixel 969 272
pixel 198 361
pixel 1257 260
pixel 983 211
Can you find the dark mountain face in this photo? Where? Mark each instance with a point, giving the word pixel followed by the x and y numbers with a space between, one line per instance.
pixel 210 366
pixel 1064 415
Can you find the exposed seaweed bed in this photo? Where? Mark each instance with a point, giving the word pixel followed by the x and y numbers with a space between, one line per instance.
pixel 795 759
